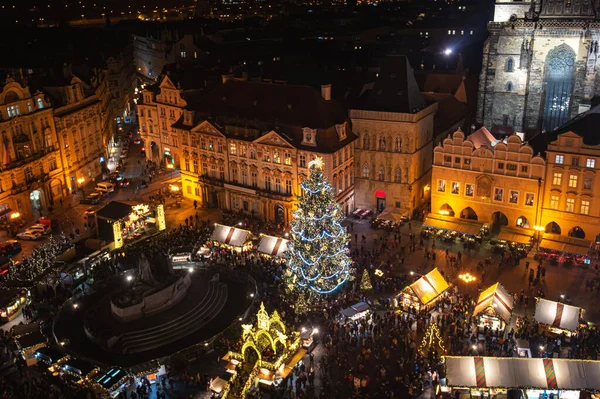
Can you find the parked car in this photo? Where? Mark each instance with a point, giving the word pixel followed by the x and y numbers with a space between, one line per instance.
pixel 124 183
pixel 42 228
pixel 105 187
pixel 93 199
pixel 30 235
pixel 10 247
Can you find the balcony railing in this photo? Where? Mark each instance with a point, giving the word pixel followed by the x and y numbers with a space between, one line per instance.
pixel 33 157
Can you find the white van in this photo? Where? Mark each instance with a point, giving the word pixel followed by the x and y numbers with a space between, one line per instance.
pixel 105 187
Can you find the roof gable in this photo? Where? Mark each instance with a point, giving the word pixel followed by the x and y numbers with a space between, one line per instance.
pixel 167 83
pixel 274 139
pixel 205 127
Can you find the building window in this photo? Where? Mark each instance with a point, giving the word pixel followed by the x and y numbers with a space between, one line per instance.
pixel 219 147
pixel 277 185
pixel 448 158
pixel 557 179
pixel 559 159
pixel 455 188
pixel 467 161
pixel 197 191
pixel 381 143
pixel 252 153
pixel 587 183
pixel 501 165
pixel 457 160
pixel 524 168
pixel 513 198
pixel 268 183
pixel 288 187
pixel 211 145
pixel 186 164
pixel 381 174
pixel 202 143
pixel 574 161
pixel 182 54
pixel 511 166
pixel 529 197
pixel 554 202
pixel 498 194
pixel 509 86
pixel 398 175
pixel 195 165
pixel 469 190
pixel 366 171
pixel 234 175
pixel 288 158
pixel 398 144
pixel 570 205
pixel 40 103
pixel 244 177
pixel 276 157
pixel 366 142
pixel 232 148
pixel 590 163
pixel 52 164
pixel 585 207
pixel 254 179
pixel 441 186
pixel 266 156
pixel 242 151
pixel 302 161
pixel 509 65
pixel 189 189
pixel 222 172
pixel 573 181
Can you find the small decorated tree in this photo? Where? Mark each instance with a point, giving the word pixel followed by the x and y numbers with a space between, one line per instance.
pixel 365 282
pixel 432 345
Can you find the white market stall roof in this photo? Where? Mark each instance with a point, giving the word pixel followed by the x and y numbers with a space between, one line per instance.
pixel 557 314
pixel 429 286
pixel 527 373
pixel 498 300
pixel 273 246
pixel 230 235
pixel 355 309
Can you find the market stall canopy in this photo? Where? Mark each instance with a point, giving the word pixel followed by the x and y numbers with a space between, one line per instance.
pixel 429 286
pixel 518 235
pixel 31 340
pixel 230 235
pixel 219 383
pixel 273 246
pixel 289 366
pixel 453 224
pixel 514 373
pixel 111 377
pixel 24 329
pixel 497 300
pixel 355 309
pixel 556 314
pixel 572 245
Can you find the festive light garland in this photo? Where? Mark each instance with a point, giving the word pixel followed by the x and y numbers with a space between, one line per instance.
pixel 319 260
pixel 365 282
pixel 432 340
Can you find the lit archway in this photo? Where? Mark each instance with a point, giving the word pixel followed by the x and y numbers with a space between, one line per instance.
pixel 468 213
pixel 380 197
pixel 446 210
pixel 577 232
pixel 523 222
pixel 553 228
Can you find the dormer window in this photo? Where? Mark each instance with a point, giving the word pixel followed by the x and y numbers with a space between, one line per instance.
pixel 341 131
pixel 188 118
pixel 309 136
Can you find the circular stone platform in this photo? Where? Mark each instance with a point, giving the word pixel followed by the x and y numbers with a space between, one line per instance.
pixel 214 301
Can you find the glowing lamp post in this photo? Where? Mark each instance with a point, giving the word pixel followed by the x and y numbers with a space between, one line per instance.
pixel 539 230
pixel 467 277
pixel 80 181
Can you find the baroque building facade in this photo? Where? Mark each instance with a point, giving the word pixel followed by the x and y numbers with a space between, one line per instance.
pixel 31 178
pixel 499 184
pixel 540 64
pixel 245 147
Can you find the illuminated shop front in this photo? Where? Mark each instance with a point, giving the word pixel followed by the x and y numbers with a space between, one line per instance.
pixel 273 246
pixel 424 292
pixel 231 237
pixel 11 303
pixel 557 317
pixel 494 308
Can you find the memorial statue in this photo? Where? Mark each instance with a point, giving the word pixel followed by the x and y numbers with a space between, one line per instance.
pixel 145 274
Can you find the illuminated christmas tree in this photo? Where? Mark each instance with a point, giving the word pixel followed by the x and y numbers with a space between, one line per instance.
pixel 432 342
pixel 365 282
pixel 319 261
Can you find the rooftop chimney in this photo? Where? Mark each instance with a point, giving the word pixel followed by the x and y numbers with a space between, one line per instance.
pixel 326 92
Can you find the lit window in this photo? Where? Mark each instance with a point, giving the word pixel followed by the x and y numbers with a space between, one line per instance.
pixel 590 163
pixel 469 190
pixel 557 179
pixel 554 202
pixel 232 148
pixel 585 207
pixel 288 158
pixel 302 161
pixel 529 197
pixel 276 157
pixel 498 194
pixel 559 159
pixel 455 187
pixel 573 181
pixel 441 186
pixel 570 205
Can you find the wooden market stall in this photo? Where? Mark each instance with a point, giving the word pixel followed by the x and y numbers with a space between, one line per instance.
pixel 11 303
pixel 494 308
pixel 111 382
pixel 485 375
pixel 355 312
pixel 231 237
pixel 273 246
pixel 80 370
pixel 52 357
pixel 424 292
pixel 559 317
pixel 29 339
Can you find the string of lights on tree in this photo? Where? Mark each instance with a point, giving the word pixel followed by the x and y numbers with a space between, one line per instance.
pixel 319 261
pixel 432 342
pixel 365 282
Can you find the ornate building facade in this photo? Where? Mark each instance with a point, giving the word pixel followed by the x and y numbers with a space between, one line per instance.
pixel 245 147
pixel 31 175
pixel 540 64
pixel 499 184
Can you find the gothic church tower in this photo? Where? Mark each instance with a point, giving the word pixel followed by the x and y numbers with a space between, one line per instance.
pixel 539 63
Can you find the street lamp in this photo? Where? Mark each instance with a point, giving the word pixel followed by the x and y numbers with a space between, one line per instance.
pixel 539 230
pixel 129 278
pixel 80 181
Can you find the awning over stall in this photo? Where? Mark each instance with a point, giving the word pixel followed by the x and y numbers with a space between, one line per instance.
pixel 453 224
pixel 230 235
pixel 497 300
pixel 515 373
pixel 557 314
pixel 429 286
pixel 572 245
pixel 273 246
pixel 355 309
pixel 520 236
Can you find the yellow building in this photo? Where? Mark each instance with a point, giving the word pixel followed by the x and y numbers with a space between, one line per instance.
pixel 497 183
pixel 245 146
pixel 31 177
pixel 569 205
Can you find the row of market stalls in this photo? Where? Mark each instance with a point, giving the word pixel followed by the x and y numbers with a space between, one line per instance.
pixel 479 376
